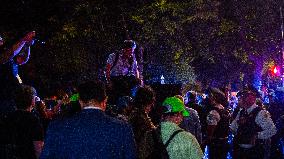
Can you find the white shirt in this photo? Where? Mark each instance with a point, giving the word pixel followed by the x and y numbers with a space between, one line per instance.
pixel 92 107
pixel 122 66
pixel 263 120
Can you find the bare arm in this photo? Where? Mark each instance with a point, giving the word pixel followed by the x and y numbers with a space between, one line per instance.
pixel 9 54
pixel 38 145
pixel 16 48
pixel 108 67
pixel 140 64
pixel 24 56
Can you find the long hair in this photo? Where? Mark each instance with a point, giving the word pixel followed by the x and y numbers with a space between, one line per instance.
pixel 144 96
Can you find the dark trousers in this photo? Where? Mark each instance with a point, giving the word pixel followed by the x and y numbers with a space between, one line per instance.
pixel 121 86
pixel 256 152
pixel 218 149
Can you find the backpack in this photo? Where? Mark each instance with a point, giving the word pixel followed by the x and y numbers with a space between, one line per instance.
pixel 159 150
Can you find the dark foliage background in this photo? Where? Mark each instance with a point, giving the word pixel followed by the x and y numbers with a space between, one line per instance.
pixel 209 41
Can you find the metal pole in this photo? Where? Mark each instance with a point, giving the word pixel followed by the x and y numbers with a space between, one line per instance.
pixel 282 45
pixel 282 25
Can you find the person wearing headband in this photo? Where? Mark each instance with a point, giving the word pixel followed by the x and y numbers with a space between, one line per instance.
pixel 122 72
pixel 123 63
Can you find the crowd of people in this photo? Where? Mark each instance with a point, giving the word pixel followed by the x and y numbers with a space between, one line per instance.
pixel 122 118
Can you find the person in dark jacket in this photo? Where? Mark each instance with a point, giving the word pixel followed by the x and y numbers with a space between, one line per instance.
pixel 24 131
pixel 90 133
pixel 218 121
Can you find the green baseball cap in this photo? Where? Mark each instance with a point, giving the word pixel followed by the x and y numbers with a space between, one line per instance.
pixel 74 97
pixel 174 105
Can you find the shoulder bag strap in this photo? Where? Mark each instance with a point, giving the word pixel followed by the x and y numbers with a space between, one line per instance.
pixel 172 136
pixel 115 60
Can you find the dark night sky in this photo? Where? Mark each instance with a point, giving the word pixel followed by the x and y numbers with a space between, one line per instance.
pixel 22 16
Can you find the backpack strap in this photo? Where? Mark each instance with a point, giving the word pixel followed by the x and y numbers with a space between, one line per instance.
pixel 171 137
pixel 256 111
pixel 115 60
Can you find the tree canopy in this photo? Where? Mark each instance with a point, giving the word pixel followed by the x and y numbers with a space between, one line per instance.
pixel 213 41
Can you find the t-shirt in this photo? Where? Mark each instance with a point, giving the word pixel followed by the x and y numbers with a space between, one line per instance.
pixel 183 146
pixel 23 128
pixel 122 67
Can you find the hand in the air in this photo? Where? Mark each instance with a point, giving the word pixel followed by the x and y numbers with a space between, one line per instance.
pixel 29 37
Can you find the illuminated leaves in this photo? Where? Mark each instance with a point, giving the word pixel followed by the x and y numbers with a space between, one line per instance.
pixel 210 36
pixel 226 26
pixel 268 65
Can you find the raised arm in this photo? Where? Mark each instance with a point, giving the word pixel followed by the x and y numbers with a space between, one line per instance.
pixel 12 52
pixel 110 61
pixel 38 145
pixel 107 71
pixel 16 49
pixel 24 56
